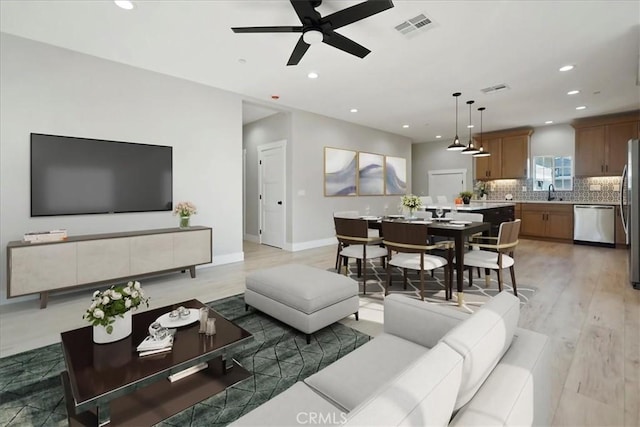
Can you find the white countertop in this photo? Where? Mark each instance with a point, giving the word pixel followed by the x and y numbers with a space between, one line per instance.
pixel 565 202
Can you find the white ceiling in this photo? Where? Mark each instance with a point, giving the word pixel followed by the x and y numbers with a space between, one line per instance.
pixel 404 80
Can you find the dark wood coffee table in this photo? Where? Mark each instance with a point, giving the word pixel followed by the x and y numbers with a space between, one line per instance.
pixel 109 384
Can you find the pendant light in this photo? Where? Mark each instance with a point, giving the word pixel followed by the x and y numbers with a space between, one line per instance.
pixel 455 145
pixel 482 152
pixel 470 147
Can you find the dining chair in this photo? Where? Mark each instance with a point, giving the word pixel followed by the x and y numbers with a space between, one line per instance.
pixel 407 246
pixel 497 255
pixel 467 216
pixel 348 214
pixel 353 236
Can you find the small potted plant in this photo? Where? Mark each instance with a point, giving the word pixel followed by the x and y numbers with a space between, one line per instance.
pixel 466 196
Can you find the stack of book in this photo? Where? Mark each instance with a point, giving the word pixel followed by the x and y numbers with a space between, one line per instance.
pixel 45 236
pixel 151 345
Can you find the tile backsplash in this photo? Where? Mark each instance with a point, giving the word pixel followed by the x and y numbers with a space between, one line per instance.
pixel 609 190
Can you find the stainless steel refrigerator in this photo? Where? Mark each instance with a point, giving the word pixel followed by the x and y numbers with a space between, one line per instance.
pixel 630 209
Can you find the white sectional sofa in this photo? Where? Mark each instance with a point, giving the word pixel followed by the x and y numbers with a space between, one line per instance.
pixel 431 366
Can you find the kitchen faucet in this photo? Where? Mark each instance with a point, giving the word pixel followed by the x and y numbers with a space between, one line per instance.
pixel 551 188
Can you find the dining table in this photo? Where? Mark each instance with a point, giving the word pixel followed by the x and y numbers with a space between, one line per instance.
pixel 458 231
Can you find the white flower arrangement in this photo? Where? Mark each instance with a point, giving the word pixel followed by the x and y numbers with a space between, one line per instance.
pixel 410 201
pixel 185 209
pixel 115 301
pixel 481 188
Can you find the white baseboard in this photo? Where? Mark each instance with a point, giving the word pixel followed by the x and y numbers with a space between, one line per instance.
pixel 294 247
pixel 226 259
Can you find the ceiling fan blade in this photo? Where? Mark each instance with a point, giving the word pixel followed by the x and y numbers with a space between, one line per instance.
pixel 357 12
pixel 305 9
pixel 341 42
pixel 280 29
pixel 298 52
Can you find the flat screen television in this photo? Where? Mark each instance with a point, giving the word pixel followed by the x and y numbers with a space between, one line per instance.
pixel 74 176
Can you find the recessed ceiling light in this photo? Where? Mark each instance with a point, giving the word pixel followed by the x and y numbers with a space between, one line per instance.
pixel 567 68
pixel 469 126
pixel 582 107
pixel 573 92
pixel 438 136
pixel 354 110
pixel 124 4
pixel 405 126
pixel 548 122
pixel 312 75
pixel 275 97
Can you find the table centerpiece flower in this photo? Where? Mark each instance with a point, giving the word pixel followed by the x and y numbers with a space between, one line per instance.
pixel 184 210
pixel 110 311
pixel 411 202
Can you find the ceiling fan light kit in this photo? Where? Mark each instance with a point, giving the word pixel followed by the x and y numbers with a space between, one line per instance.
pixel 316 28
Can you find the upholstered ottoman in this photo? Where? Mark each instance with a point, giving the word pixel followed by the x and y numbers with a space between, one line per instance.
pixel 306 298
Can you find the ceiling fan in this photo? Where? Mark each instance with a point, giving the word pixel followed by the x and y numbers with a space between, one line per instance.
pixel 316 29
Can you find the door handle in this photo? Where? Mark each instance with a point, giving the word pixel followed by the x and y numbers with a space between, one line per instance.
pixel 601 168
pixel 279 202
pixel 606 168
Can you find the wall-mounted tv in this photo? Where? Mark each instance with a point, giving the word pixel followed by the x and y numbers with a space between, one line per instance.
pixel 73 176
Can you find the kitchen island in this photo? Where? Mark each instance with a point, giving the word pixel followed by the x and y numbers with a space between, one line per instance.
pixel 494 212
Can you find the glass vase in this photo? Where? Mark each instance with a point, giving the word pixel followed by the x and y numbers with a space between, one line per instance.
pixel 184 221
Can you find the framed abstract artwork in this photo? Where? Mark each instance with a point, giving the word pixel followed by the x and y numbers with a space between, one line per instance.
pixel 340 172
pixel 370 174
pixel 395 175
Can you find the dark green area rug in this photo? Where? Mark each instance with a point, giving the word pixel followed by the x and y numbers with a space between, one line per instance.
pixel 31 393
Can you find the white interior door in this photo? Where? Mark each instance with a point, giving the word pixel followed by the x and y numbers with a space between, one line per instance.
pixel 448 182
pixel 272 176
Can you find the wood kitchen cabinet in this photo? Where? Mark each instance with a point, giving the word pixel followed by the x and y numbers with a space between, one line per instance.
pixel 601 143
pixel 547 220
pixel 509 151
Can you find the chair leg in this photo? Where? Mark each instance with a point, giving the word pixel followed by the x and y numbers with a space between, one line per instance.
pixel 470 276
pixel 447 283
pixel 422 284
pixel 513 280
pixel 359 266
pixel 499 280
pixel 479 275
pixel 404 278
pixel 386 288
pixel 487 277
pixel 364 276
pixel 382 261
pixel 338 257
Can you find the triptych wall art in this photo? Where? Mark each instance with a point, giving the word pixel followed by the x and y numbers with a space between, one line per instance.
pixel 358 173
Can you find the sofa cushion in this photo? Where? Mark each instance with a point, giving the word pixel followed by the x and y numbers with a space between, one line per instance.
pixel 422 395
pixel 297 405
pixel 304 288
pixel 354 378
pixel 482 339
pixel 518 391
pixel 418 321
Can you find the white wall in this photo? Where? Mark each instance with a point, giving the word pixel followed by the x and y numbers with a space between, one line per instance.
pixel 312 212
pixel 51 90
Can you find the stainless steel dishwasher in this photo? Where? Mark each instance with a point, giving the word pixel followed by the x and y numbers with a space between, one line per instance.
pixel 594 225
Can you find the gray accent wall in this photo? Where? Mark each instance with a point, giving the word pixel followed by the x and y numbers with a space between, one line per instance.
pixel 47 89
pixel 434 156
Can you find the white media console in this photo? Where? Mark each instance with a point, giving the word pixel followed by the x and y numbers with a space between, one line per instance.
pixel 103 258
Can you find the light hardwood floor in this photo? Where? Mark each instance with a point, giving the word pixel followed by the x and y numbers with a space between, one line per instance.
pixel 583 302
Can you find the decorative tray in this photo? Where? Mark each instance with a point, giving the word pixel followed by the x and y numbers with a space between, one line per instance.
pixel 165 321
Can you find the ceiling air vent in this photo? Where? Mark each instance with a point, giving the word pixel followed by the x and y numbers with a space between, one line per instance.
pixel 494 89
pixel 420 22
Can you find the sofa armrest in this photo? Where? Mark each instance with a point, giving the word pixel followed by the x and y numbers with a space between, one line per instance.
pixel 418 321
